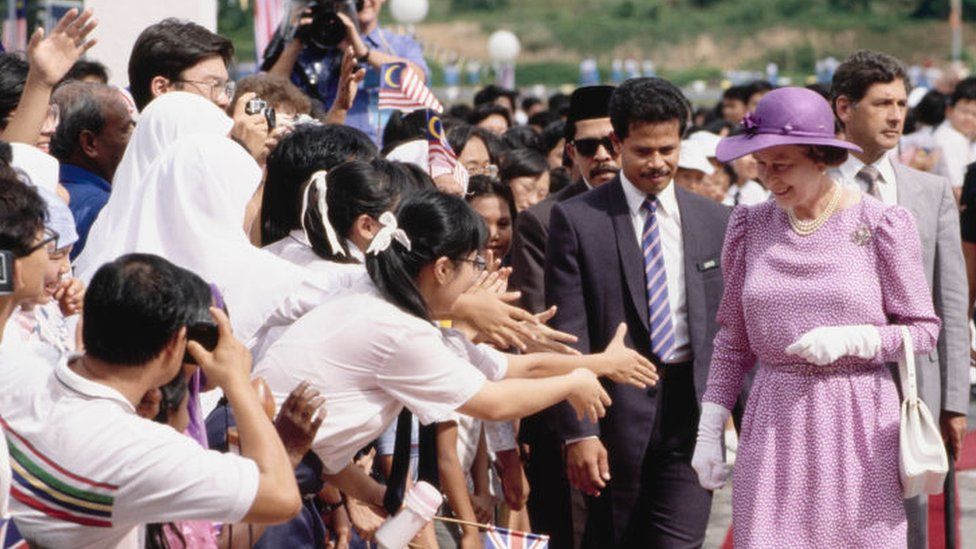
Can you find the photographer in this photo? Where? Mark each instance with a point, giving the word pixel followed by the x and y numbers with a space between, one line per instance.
pixel 89 472
pixel 316 66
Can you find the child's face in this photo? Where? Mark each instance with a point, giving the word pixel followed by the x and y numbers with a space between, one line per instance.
pixel 58 266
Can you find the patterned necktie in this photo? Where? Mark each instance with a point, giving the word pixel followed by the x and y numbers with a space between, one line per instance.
pixel 868 179
pixel 658 305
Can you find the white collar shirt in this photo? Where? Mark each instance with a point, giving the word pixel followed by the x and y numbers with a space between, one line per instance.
pixel 295 248
pixel 669 225
pixel 369 359
pixel 89 472
pixel 957 152
pixel 887 188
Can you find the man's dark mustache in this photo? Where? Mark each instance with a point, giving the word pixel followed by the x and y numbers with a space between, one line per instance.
pixel 656 173
pixel 604 168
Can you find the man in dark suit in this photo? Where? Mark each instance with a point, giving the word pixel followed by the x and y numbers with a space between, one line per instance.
pixel 587 142
pixel 870 97
pixel 588 132
pixel 641 251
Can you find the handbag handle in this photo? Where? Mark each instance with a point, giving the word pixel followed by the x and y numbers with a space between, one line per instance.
pixel 906 368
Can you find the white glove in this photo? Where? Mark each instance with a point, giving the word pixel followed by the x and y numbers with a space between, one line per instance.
pixel 827 344
pixel 709 460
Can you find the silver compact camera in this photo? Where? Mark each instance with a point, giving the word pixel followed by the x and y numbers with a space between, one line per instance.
pixel 256 106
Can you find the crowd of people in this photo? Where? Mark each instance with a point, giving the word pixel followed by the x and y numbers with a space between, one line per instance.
pixel 255 313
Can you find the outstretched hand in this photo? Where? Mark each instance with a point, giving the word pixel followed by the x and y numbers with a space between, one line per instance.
pixel 624 365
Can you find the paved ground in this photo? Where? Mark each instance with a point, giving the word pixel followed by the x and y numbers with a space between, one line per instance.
pixel 966 481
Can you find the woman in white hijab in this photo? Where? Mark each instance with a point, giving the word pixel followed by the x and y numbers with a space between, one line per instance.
pixel 191 211
pixel 167 118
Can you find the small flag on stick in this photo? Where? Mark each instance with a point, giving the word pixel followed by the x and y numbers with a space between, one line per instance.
pixel 404 90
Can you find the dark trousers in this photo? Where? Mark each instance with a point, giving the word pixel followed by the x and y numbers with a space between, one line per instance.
pixel 672 509
pixel 550 504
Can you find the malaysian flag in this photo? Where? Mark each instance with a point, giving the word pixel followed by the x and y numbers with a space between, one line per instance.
pixel 15 27
pixel 440 155
pixel 267 15
pixel 404 90
pixel 500 538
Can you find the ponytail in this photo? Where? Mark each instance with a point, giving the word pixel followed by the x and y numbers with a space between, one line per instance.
pixel 435 225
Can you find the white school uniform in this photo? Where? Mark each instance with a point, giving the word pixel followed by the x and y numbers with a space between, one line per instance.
pixel 89 472
pixel 369 359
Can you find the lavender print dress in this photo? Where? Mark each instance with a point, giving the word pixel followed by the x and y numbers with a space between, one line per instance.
pixel 818 453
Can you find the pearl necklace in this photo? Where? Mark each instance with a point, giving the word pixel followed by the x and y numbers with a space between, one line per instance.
pixel 807 228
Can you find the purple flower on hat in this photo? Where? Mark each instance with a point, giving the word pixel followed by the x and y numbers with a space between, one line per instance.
pixel 750 124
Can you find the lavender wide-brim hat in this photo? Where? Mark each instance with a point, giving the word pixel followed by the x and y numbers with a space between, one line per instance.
pixel 785 116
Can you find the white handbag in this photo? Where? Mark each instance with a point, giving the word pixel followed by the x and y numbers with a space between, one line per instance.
pixel 922 461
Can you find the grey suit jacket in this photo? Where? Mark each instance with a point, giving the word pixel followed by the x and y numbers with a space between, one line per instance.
pixel 943 375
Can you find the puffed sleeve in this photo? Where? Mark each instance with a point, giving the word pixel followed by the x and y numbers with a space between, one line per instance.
pixel 732 357
pixel 906 297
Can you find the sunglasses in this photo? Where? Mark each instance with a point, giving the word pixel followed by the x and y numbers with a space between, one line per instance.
pixel 589 146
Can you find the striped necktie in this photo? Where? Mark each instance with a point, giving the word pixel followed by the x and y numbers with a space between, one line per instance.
pixel 868 178
pixel 658 305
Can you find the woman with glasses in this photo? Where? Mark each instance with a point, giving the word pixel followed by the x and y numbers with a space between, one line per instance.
pixel 478 150
pixel 375 349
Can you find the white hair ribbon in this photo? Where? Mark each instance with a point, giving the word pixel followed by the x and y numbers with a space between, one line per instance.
pixel 319 182
pixel 388 232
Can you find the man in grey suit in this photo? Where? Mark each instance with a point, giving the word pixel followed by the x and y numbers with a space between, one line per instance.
pixel 643 252
pixel 870 96
pixel 588 144
pixel 551 504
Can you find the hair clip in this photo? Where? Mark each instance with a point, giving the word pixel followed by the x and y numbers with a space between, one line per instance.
pixel 388 232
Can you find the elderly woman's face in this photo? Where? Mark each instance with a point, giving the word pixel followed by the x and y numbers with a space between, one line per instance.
pixel 788 173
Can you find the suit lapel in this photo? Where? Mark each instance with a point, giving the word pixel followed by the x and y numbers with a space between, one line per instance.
pixel 631 256
pixel 691 227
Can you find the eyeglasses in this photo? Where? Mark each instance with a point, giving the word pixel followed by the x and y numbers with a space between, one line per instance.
pixel 217 89
pixel 589 146
pixel 52 119
pixel 490 170
pixel 479 263
pixel 50 239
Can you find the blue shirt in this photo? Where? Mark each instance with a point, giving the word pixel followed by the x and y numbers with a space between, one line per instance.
pixel 89 193
pixel 318 76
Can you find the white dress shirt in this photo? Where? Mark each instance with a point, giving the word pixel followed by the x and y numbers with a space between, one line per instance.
pixel 957 152
pixel 669 227
pixel 887 189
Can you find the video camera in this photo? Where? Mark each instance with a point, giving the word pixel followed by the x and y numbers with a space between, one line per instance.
pixel 326 29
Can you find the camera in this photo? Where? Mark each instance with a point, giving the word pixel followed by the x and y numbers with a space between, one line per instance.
pixel 255 106
pixel 326 29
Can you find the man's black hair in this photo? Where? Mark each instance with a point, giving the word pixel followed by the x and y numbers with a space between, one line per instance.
pixel 522 163
pixel 13 77
pixel 647 99
pixel 737 93
pixel 167 49
pixel 134 307
pixel 84 68
pixel 863 69
pixel 965 91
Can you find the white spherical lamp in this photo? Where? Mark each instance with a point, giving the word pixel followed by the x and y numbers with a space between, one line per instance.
pixel 504 46
pixel 408 12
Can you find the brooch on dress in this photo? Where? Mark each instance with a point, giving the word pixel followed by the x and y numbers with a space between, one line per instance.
pixel 861 236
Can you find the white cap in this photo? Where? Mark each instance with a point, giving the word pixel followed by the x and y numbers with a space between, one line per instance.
pixel 693 158
pixel 707 140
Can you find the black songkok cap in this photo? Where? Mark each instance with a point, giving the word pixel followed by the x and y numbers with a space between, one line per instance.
pixel 589 102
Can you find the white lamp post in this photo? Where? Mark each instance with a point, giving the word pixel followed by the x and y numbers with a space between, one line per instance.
pixel 409 12
pixel 504 48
